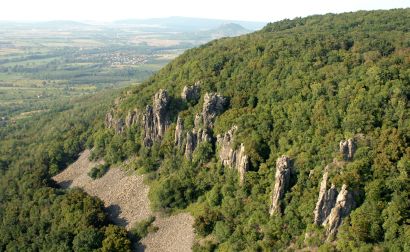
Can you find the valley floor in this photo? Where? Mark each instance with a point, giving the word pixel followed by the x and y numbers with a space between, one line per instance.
pixel 126 198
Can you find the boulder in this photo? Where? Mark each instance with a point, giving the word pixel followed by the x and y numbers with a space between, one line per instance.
pixel 282 179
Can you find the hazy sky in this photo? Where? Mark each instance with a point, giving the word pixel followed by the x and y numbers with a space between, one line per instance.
pixel 258 10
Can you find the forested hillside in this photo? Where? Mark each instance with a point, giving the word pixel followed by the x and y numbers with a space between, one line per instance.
pixel 295 136
pixel 35 215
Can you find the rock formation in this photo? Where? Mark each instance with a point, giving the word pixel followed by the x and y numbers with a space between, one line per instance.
pixel 347 148
pixel 344 205
pixel 214 104
pixel 178 132
pixel 326 200
pixel 114 123
pixel 332 206
pixel 132 118
pixel 194 138
pixel 190 144
pixel 282 179
pixel 156 118
pixel 234 158
pixel 191 93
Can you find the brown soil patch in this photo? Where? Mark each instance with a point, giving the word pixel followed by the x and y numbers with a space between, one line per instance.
pixel 126 198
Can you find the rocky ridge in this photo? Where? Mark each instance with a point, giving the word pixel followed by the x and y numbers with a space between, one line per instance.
pixel 156 120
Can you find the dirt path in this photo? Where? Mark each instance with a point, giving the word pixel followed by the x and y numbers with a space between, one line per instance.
pixel 126 198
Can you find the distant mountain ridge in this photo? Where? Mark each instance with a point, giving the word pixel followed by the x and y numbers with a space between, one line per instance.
pixel 189 23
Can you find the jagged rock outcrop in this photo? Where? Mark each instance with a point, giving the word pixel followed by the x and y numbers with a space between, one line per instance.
pixel 282 179
pixel 234 158
pixel 326 200
pixel 179 129
pixel 332 206
pixel 343 206
pixel 132 118
pixel 191 93
pixel 114 123
pixel 156 118
pixel 190 145
pixel 214 104
pixel 347 148
pixel 194 138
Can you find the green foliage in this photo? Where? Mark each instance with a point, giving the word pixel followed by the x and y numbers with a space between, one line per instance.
pixel 88 240
pixel 143 228
pixel 98 171
pixel 35 214
pixel 296 87
pixel 115 240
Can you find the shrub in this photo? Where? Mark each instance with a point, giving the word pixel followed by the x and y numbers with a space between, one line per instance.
pixel 98 171
pixel 143 228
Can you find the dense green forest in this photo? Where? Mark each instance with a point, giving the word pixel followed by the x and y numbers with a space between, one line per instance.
pixel 296 88
pixel 35 215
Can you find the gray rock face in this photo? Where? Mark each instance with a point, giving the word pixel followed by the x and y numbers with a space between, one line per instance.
pixel 191 142
pixel 347 148
pixel 333 205
pixel 326 200
pixel 344 205
pixel 114 123
pixel 282 179
pixel 191 93
pixel 214 104
pixel 178 132
pixel 234 158
pixel 132 118
pixel 156 118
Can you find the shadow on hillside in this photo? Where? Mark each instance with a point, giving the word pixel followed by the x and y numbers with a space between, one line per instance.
pixel 65 184
pixel 114 212
pixel 138 247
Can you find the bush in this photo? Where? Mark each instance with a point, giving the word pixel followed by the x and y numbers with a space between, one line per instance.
pixel 98 171
pixel 115 240
pixel 143 228
pixel 88 240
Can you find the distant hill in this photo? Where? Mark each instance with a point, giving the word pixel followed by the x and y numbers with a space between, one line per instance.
pixel 224 30
pixel 188 24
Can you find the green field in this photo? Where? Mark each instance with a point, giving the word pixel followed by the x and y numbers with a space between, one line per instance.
pixel 38 69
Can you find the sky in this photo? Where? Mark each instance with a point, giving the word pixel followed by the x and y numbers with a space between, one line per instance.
pixel 252 10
